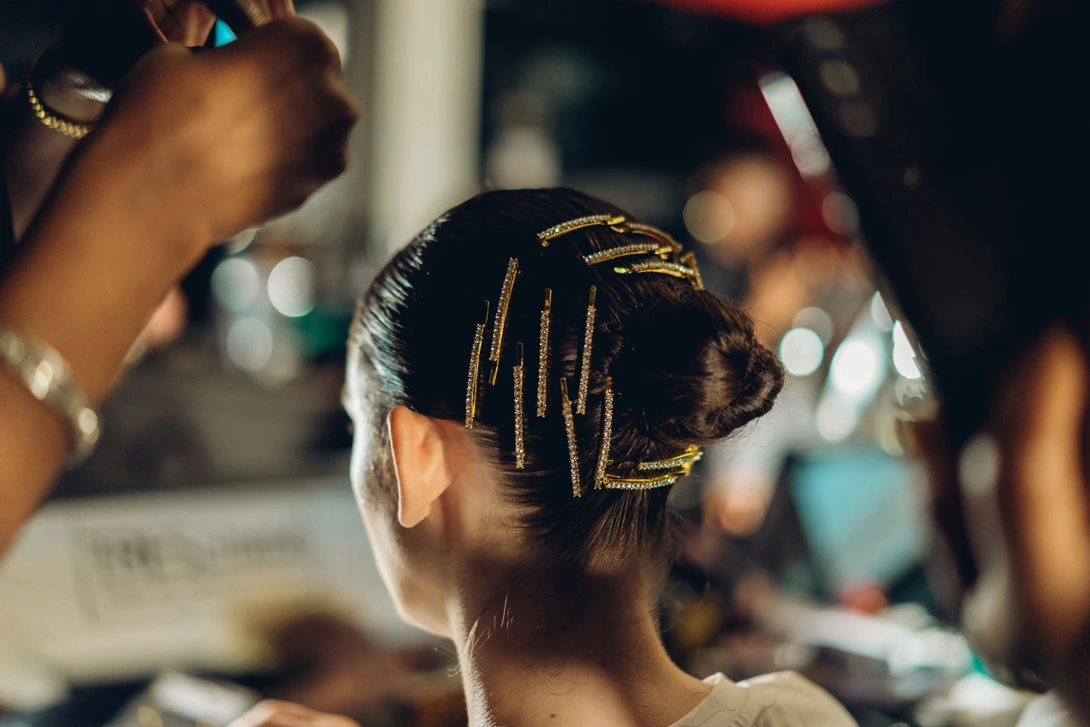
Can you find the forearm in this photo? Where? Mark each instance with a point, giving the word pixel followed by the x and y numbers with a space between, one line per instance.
pixel 87 276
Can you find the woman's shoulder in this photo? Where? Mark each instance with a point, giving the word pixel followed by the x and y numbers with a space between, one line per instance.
pixel 782 699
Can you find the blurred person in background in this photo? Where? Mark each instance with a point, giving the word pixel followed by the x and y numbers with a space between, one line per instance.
pixel 191 149
pixel 524 515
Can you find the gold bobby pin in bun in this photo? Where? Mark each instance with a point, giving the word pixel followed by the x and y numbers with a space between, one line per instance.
pixel 607 436
pixel 569 430
pixel 689 261
pixel 474 370
pixel 664 267
pixel 638 248
pixel 501 318
pixel 620 482
pixel 543 355
pixel 639 228
pixel 668 472
pixel 584 369
pixel 520 420
pixel 547 235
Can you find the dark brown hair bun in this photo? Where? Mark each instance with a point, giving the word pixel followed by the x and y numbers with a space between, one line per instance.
pixel 691 370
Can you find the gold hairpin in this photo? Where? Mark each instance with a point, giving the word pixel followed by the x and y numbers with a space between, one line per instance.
pixel 689 261
pixel 620 482
pixel 543 355
pixel 520 441
pixel 665 267
pixel 638 248
pixel 474 369
pixel 501 317
pixel 584 370
pixel 683 461
pixel 545 236
pixel 640 228
pixel 607 436
pixel 569 430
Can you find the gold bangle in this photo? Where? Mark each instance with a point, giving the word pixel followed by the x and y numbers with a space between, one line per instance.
pixel 51 119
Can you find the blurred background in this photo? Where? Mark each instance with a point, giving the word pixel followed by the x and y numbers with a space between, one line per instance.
pixel 213 534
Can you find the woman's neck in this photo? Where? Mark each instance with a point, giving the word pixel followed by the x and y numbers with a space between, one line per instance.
pixel 559 654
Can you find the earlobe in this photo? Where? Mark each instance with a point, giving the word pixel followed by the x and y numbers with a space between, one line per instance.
pixel 419 463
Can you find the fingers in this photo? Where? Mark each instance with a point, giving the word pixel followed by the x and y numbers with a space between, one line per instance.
pixel 274 713
pixel 1042 488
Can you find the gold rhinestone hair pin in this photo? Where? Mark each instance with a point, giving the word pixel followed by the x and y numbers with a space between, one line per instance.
pixel 652 474
pixel 474 370
pixel 584 368
pixel 664 267
pixel 607 437
pixel 520 418
pixel 543 355
pixel 548 235
pixel 637 248
pixel 501 318
pixel 569 430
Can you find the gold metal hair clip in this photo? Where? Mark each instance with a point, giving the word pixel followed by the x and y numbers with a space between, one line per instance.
pixel 620 482
pixel 638 248
pixel 683 461
pixel 607 436
pixel 569 430
pixel 543 355
pixel 545 236
pixel 474 370
pixel 501 318
pixel 520 419
pixel 584 370
pixel 640 228
pixel 665 267
pixel 689 261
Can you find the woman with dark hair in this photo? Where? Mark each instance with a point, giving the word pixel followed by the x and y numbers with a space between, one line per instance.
pixel 527 378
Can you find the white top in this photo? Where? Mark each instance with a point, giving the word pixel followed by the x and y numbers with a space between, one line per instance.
pixel 783 699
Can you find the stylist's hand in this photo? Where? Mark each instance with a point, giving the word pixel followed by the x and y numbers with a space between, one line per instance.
pixel 272 713
pixel 204 144
pixel 1026 519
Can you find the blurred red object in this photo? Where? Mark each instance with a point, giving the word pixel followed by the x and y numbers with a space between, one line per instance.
pixel 767 12
pixel 864 596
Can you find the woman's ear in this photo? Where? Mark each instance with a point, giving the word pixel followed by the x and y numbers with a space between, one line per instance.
pixel 421 463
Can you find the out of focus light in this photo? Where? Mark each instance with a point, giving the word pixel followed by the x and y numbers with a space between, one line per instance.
pixel 904 357
pixel 816 320
pixel 839 77
pixel 840 213
pixel 880 313
pixel 801 351
pixel 709 216
pixel 795 123
pixel 836 418
pixel 291 287
pixel 236 284
pixel 859 119
pixel 249 344
pixel 856 367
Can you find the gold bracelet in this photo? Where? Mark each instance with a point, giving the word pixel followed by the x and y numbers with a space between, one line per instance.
pixel 57 122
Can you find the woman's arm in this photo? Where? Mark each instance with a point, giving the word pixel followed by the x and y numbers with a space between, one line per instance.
pixel 194 148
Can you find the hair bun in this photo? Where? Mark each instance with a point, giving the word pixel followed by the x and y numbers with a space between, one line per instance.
pixel 692 372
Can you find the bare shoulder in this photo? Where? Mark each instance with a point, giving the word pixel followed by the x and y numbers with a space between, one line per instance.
pixel 792 700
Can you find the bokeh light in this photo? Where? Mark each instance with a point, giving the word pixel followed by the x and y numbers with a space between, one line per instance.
pixel 236 284
pixel 801 352
pixel 291 287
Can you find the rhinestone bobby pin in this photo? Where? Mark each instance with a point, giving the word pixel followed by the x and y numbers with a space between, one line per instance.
pixel 569 430
pixel 685 461
pixel 607 436
pixel 665 267
pixel 520 419
pixel 543 355
pixel 584 369
pixel 638 248
pixel 620 482
pixel 501 317
pixel 474 370
pixel 547 235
